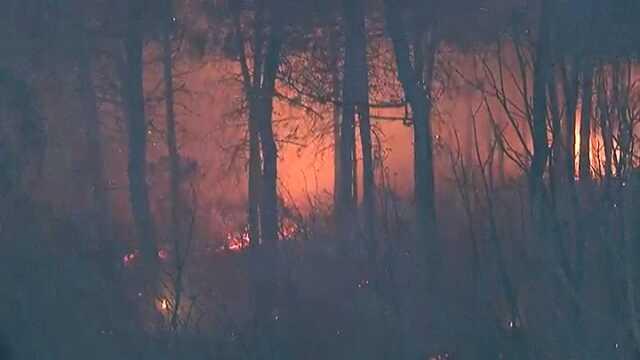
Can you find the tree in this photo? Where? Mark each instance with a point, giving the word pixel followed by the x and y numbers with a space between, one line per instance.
pixel 259 87
pixel 416 77
pixel 357 81
pixel 175 228
pixel 542 71
pixel 355 112
pixel 132 94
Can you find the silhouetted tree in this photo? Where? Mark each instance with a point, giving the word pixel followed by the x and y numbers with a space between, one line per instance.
pixel 131 67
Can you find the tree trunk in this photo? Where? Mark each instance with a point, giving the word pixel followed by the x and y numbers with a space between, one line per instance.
pixel 133 94
pixel 542 69
pixel 346 195
pixel 175 227
pixel 269 205
pixel 356 31
pixel 606 128
pixel 417 93
pixel 255 176
pixel 585 120
pixel 251 89
pixel 337 117
pixel 267 266
pixel 570 79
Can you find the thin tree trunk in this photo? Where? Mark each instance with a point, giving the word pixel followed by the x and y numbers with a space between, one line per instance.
pixel 585 120
pixel 175 229
pixel 605 128
pixel 337 116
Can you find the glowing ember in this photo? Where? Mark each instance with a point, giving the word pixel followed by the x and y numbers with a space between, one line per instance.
pixel 443 356
pixel 163 304
pixel 128 259
pixel 288 230
pixel 239 240
pixel 163 254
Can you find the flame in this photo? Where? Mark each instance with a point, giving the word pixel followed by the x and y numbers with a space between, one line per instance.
pixel 163 304
pixel 596 152
pixel 288 230
pixel 237 241
pixel 163 254
pixel 128 259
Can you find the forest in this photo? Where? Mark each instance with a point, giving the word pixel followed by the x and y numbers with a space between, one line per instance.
pixel 319 179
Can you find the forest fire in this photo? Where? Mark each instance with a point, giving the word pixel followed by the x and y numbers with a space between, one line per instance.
pixel 416 179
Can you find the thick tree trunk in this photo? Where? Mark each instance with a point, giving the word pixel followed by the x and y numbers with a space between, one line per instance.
pixel 416 90
pixel 133 97
pixel 558 155
pixel 357 28
pixel 358 73
pixel 251 84
pixel 570 79
pixel 255 176
pixel 266 269
pixel 542 70
pixel 269 205
pixel 346 193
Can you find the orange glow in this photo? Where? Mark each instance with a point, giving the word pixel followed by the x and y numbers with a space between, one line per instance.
pixel 163 305
pixel 596 152
pixel 239 240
